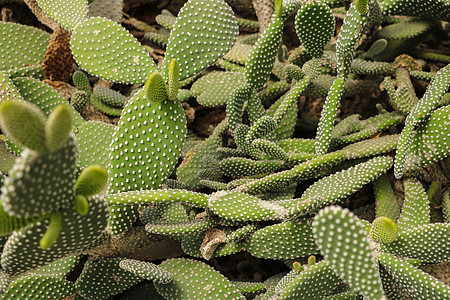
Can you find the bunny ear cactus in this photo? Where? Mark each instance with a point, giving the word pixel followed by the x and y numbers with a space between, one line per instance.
pixel 67 13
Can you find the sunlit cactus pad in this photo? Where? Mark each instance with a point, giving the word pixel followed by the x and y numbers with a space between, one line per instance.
pixel 26 52
pixel 67 13
pixel 195 280
pixel 22 252
pixel 214 30
pixel 160 125
pixel 118 58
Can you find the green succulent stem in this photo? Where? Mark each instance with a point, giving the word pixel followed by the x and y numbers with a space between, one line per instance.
pixel 53 231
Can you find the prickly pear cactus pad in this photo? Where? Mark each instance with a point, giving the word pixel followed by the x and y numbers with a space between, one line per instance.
pixel 8 90
pixel 39 287
pixel 107 50
pixel 101 279
pixel 39 184
pixel 67 13
pixel 315 25
pixel 146 144
pixel 285 240
pixel 212 29
pixel 195 280
pixel 146 270
pixel 347 251
pixel 22 252
pixel 29 51
pixel 43 96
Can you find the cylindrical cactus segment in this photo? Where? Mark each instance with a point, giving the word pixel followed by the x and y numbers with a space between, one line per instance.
pixel 173 82
pixel 58 127
pixel 81 205
pixel 24 124
pixel 53 230
pixel 383 230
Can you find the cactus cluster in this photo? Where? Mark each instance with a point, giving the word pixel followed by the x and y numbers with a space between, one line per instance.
pixel 137 208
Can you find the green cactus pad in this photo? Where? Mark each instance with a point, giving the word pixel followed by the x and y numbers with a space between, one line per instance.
pixel 413 280
pixel 173 81
pixel 435 10
pixel 30 50
pixel 215 88
pixel 237 206
pixel 331 189
pixel 431 141
pixel 118 58
pixel 81 81
pixel 24 124
pixel 40 184
pixel 109 97
pixel 79 100
pixel 39 287
pixel 238 166
pixel 166 19
pixel 249 287
pixel 416 208
pixel 212 29
pixel 146 270
pixel 22 252
pixel 44 96
pixel 315 25
pixel 155 88
pixel 437 88
pixel 111 9
pixel 239 53
pixel 105 108
pixel 58 127
pixel 67 13
pixel 122 217
pixel 93 139
pixel 316 281
pixel 343 242
pixel 195 280
pixel 326 122
pixel 429 243
pixel 153 196
pixel 8 223
pixel 60 268
pixel 385 199
pixel 285 240
pixel 8 91
pixel 101 279
pixel 91 181
pixel 180 229
pixel 262 57
pixel 162 126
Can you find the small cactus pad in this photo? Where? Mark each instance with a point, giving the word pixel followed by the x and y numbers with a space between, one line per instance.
pixel 58 127
pixel 91 181
pixel 109 97
pixel 416 208
pixel 101 279
pixel 146 270
pixel 29 51
pixel 155 88
pixel 383 230
pixel 434 10
pixel 61 267
pixel 342 240
pixel 203 32
pixel 39 287
pixel 8 91
pixel 40 184
pixel 195 280
pixel 24 124
pixel 285 240
pixel 413 280
pixel 93 139
pixel 315 25
pixel 146 144
pixel 22 252
pixel 107 50
pixel 67 13
pixel 79 100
